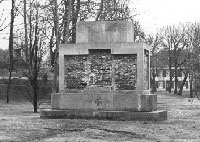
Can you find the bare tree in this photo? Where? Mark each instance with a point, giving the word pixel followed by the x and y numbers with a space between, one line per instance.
pixel 56 24
pixel 11 48
pixel 33 38
pixel 139 34
pixel 175 41
pixel 2 19
pixel 113 10
pixel 155 43
pixel 25 32
pixel 193 59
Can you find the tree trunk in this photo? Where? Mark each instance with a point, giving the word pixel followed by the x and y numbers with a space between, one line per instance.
pixel 153 83
pixel 74 20
pixel 182 84
pixel 11 48
pixel 35 97
pixel 176 79
pixel 11 38
pixel 191 86
pixel 100 11
pixel 52 54
pixel 67 21
pixel 30 38
pixel 55 84
pixel 8 87
pixel 35 67
pixel 26 35
pixel 170 79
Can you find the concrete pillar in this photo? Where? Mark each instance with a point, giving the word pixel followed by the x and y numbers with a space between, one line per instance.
pixel 61 70
pixel 140 69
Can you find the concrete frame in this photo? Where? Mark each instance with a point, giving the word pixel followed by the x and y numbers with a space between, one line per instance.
pixel 116 48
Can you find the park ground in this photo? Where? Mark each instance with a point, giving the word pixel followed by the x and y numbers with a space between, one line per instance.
pixel 19 123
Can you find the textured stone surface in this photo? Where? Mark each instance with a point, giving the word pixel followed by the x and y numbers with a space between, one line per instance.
pixel 159 115
pixel 75 71
pixel 125 71
pixel 100 64
pixel 101 69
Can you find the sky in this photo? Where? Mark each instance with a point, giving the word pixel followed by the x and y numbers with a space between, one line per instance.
pixel 152 14
pixel 155 14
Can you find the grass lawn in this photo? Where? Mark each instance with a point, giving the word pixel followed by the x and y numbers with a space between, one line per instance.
pixel 19 123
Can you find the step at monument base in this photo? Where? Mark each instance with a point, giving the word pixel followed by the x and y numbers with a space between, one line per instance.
pixel 158 115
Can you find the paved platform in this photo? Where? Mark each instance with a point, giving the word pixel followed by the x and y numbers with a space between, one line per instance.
pixel 158 115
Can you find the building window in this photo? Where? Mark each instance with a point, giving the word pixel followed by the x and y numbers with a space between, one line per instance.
pixel 160 84
pixel 160 73
pixel 164 73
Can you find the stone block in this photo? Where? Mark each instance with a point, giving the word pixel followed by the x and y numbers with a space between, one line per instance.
pixel 148 102
pixel 107 101
pixel 125 101
pixel 159 115
pixel 104 32
pixel 92 102
pixel 99 89
pixel 55 100
pixel 72 101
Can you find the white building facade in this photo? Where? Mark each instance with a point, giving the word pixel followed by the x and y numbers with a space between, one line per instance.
pixel 162 80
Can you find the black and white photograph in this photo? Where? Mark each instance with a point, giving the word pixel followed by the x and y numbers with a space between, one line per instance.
pixel 99 71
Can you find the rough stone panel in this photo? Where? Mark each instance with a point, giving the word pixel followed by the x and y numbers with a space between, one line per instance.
pixel 125 71
pixel 100 67
pixel 75 71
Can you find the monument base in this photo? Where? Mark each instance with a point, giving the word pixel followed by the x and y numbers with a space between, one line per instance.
pixel 158 115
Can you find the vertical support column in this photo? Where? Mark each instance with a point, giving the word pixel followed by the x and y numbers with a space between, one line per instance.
pixel 140 69
pixel 61 70
pixel 140 74
pixel 149 72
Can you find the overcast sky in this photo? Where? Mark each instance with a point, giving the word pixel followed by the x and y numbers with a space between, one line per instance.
pixel 152 14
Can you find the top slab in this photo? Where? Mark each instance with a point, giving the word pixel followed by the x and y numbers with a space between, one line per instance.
pixel 104 32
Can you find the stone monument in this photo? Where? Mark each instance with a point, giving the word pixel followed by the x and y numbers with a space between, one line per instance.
pixel 105 75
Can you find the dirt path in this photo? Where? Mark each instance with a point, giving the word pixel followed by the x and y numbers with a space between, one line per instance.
pixel 18 123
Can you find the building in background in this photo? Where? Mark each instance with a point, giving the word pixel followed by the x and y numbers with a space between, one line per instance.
pixel 162 79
